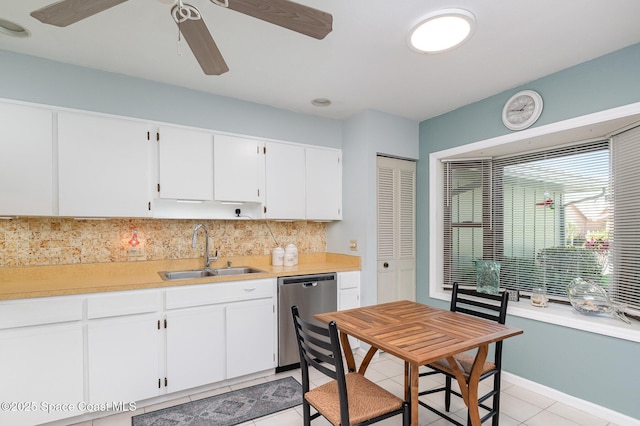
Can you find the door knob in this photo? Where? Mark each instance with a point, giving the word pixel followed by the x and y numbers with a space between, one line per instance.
pixel 385 264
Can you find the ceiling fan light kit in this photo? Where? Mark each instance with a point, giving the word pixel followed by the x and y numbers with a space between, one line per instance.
pixel 442 30
pixel 284 13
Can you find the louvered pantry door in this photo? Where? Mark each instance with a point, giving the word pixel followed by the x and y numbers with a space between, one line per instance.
pixel 396 200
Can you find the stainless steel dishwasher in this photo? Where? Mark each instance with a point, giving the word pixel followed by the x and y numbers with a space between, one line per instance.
pixel 313 294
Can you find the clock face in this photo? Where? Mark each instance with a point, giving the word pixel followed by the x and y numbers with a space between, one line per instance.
pixel 522 110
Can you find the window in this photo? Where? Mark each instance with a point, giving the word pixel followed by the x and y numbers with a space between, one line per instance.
pixel 548 217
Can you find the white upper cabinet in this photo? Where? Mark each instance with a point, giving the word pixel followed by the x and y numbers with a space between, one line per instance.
pixel 185 164
pixel 26 161
pixel 284 181
pixel 323 184
pixel 238 167
pixel 103 167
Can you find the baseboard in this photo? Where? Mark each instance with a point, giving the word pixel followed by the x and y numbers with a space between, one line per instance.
pixel 580 404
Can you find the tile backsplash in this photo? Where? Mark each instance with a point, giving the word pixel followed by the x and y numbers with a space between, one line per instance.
pixel 31 241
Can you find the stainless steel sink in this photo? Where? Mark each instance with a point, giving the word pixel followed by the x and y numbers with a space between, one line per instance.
pixel 207 272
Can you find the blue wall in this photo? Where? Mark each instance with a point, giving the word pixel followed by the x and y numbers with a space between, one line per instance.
pixel 596 368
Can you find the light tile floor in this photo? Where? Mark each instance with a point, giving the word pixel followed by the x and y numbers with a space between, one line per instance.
pixel 519 406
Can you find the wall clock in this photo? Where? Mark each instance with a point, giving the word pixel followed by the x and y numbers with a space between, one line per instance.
pixel 522 110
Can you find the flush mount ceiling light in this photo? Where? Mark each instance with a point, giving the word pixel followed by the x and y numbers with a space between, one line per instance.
pixel 442 30
pixel 13 29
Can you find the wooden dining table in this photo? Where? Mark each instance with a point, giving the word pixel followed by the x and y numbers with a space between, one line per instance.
pixel 420 334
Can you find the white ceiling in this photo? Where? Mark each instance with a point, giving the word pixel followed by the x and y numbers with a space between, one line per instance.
pixel 364 63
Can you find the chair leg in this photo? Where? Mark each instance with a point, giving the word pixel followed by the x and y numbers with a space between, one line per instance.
pixel 406 414
pixel 496 399
pixel 306 412
pixel 447 394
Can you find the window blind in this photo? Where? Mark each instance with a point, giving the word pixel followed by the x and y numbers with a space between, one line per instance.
pixel 546 216
pixel 625 248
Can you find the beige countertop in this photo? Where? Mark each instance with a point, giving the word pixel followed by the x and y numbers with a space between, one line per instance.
pixel 58 280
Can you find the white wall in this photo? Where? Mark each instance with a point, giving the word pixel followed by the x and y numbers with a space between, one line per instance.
pixel 364 136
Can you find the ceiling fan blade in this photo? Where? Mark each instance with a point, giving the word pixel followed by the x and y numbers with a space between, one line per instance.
pixel 67 12
pixel 203 47
pixel 287 14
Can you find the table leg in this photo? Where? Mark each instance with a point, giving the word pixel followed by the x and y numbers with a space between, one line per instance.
pixel 414 393
pixel 469 390
pixel 367 359
pixel 348 352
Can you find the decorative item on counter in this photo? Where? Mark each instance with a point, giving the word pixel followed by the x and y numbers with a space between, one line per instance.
pixel 539 297
pixel 487 276
pixel 293 250
pixel 277 256
pixel 289 259
pixel 134 242
pixel 591 299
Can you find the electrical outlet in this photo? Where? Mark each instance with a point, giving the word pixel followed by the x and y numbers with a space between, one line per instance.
pixel 353 245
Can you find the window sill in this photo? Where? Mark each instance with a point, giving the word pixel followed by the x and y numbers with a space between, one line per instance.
pixel 566 316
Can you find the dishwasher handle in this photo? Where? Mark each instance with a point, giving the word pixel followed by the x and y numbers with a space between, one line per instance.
pixel 310 284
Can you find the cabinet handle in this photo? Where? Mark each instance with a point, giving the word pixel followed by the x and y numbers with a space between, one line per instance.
pixel 158 324
pixel 165 323
pixel 249 289
pixel 385 264
pixel 159 384
pixel 166 382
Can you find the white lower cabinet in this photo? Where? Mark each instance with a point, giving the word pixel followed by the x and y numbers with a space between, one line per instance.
pixel 195 347
pixel 349 296
pixel 123 358
pixel 42 373
pixel 41 359
pixel 250 337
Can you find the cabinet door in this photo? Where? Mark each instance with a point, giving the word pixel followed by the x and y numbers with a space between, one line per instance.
pixel 39 365
pixel 250 337
pixel 124 358
pixel 102 166
pixel 349 296
pixel 185 164
pixel 26 161
pixel 238 169
pixel 323 184
pixel 285 181
pixel 195 347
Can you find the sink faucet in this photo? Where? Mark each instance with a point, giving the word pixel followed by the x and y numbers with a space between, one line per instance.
pixel 207 258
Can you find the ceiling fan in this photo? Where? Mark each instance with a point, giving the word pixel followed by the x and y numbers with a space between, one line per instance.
pixel 285 13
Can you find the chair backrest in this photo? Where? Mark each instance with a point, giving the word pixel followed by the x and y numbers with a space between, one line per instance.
pixel 319 347
pixel 492 307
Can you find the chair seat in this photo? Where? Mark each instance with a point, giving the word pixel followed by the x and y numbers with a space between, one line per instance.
pixel 366 399
pixel 465 361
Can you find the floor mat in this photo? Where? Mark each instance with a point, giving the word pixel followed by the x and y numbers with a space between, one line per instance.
pixel 229 408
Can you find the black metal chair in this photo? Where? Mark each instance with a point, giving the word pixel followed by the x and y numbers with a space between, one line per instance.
pixel 348 399
pixel 488 306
